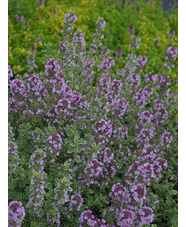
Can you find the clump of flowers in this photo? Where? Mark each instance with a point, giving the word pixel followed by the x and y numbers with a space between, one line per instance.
pixel 98 36
pixel 19 17
pixel 170 56
pixel 38 182
pixel 147 215
pixel 131 29
pixel 40 1
pixel 118 53
pixel 17 87
pixel 126 218
pixel 70 18
pixel 27 24
pixel 13 154
pixel 54 146
pixel 75 202
pixel 135 42
pixel 88 219
pixel 31 62
pixel 10 75
pixel 16 213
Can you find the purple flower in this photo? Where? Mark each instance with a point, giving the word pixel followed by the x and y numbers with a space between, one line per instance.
pixel 142 60
pixel 76 202
pixel 146 117
pixel 166 139
pixel 53 216
pixel 101 23
pixel 150 77
pixel 171 34
pixel 52 67
pixel 170 56
pixel 33 48
pixel 27 24
pixel 126 218
pixel 70 17
pixel 55 144
pixel 159 164
pixel 38 40
pixel 10 74
pixel 40 1
pixel 31 62
pixel 118 53
pixel 139 193
pixel 131 29
pixel 135 42
pixel 135 80
pixel 13 154
pixel 17 87
pixel 37 182
pixel 54 11
pixel 104 129
pixel 79 40
pixel 19 17
pixel 144 136
pixel 95 173
pixel 106 65
pixel 120 194
pixel 147 215
pixel 141 96
pixel 87 218
pixel 16 213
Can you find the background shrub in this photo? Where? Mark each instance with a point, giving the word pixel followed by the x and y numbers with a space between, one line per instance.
pixel 45 20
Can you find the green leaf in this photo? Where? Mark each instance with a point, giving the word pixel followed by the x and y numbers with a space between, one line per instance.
pixel 71 74
pixel 168 201
pixel 166 185
pixel 72 145
pixel 70 152
pixel 77 86
pixel 174 192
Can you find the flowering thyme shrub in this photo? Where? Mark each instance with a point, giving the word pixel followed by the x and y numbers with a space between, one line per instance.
pixel 91 144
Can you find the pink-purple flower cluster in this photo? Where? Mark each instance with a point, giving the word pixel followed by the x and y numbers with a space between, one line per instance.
pixel 19 17
pixel 170 56
pixel 53 216
pixel 54 146
pixel 38 182
pixel 16 213
pixel 131 29
pixel 126 218
pixel 88 219
pixel 135 42
pixel 98 36
pixel 10 75
pixel 76 202
pixel 141 96
pixel 119 53
pixel 31 62
pixel 13 154
pixel 40 1
pixel 51 68
pixel 106 65
pixel 70 17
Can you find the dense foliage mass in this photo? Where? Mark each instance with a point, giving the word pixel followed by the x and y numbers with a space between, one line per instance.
pixel 93 138
pixel 33 24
